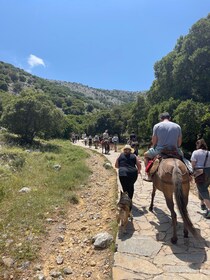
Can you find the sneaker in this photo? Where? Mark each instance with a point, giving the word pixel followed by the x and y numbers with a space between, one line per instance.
pixel 203 207
pixel 207 215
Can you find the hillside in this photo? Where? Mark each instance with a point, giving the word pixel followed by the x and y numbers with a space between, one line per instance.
pixel 105 96
pixel 63 94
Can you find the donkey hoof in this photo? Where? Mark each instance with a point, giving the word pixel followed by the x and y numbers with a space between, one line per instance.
pixel 151 209
pixel 174 240
pixel 186 235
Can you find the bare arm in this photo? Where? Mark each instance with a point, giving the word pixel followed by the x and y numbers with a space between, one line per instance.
pixel 179 141
pixel 116 163
pixel 193 164
pixel 138 164
pixel 154 140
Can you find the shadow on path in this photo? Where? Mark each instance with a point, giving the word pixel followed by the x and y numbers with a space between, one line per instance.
pixel 188 250
pixel 129 232
pixel 137 212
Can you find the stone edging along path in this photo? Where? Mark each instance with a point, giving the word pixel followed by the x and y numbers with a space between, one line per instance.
pixel 145 251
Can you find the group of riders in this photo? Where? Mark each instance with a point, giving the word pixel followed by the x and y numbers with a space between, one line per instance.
pixel 166 143
pixel 105 141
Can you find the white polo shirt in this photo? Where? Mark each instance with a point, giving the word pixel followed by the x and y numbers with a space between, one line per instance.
pixel 199 157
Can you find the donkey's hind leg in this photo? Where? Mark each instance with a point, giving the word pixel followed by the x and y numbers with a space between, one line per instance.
pixel 152 198
pixel 185 231
pixel 170 204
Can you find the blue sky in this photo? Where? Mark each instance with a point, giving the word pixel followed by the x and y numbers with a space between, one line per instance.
pixel 108 44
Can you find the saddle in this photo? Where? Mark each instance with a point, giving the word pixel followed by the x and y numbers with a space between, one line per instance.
pixel 154 163
pixel 170 153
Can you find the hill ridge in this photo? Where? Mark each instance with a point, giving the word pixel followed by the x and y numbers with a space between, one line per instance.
pixel 14 80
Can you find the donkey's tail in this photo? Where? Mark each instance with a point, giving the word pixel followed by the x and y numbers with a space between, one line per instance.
pixel 181 202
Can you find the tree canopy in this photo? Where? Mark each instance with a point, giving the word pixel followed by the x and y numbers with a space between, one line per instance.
pixel 30 115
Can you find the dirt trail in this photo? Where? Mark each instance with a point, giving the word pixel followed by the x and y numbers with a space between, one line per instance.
pixel 67 252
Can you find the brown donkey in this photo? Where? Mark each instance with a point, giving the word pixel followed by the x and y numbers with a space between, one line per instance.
pixel 173 177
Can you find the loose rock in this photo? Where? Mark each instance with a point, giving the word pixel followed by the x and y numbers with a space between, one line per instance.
pixel 25 190
pixel 102 240
pixel 9 262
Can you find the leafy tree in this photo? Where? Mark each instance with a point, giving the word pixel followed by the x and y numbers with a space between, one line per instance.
pixel 30 115
pixel 205 125
pixel 185 72
pixel 17 87
pixel 188 115
pixel 114 120
pixel 137 121
pixel 73 123
pixel 3 86
pixel 13 76
pixel 89 108
pixel 22 78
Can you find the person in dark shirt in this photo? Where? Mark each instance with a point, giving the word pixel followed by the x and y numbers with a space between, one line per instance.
pixel 129 168
pixel 132 137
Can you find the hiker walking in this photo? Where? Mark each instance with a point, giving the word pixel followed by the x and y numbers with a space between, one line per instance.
pixel 129 168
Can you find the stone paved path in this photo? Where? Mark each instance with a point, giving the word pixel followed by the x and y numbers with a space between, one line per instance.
pixel 145 251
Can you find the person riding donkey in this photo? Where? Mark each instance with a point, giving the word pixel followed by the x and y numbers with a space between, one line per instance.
pixel 106 135
pixel 133 142
pixel 167 136
pixel 96 141
pixel 105 141
pixel 132 137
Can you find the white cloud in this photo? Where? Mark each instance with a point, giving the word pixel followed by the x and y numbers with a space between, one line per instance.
pixel 34 61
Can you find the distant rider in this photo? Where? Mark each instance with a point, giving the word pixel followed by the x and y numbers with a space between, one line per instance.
pixel 96 141
pixel 133 137
pixel 115 141
pixel 90 141
pixel 106 135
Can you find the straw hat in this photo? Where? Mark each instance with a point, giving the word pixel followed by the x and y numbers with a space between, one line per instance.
pixel 127 147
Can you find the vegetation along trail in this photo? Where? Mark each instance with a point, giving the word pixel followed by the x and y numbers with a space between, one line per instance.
pixel 55 203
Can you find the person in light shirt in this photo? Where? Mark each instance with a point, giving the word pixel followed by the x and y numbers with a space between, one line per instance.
pixel 200 159
pixel 105 135
pixel 115 141
pixel 166 135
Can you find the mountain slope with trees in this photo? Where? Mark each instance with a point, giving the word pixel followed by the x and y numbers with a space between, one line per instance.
pixel 109 97
pixel 31 106
pixel 181 87
pixel 64 94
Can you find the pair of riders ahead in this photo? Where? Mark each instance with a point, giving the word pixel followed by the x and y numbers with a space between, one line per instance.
pixel 166 139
